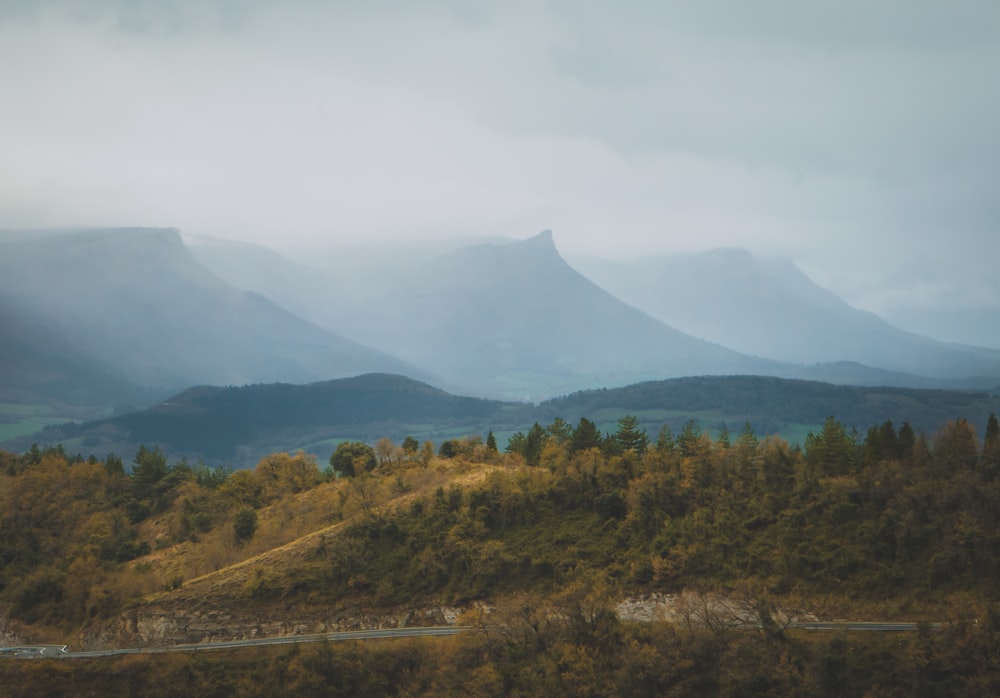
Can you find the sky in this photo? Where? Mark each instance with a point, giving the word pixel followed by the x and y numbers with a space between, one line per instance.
pixel 858 138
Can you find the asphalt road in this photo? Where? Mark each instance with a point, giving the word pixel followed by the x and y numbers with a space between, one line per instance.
pixel 862 627
pixel 42 651
pixel 60 651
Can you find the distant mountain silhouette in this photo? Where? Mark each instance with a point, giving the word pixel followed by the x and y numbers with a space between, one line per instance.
pixel 510 318
pixel 771 309
pixel 136 299
pixel 516 320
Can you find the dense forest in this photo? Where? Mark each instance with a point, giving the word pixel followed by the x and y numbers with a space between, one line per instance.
pixel 548 532
pixel 238 426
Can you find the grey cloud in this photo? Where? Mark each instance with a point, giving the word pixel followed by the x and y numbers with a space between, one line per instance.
pixel 854 136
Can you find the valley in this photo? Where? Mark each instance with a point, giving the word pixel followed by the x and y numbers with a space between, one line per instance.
pixel 483 440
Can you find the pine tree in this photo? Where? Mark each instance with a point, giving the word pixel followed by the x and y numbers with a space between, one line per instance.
pixel 629 436
pixel 584 436
pixel 989 461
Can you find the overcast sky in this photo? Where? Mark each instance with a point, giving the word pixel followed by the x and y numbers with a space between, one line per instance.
pixel 859 138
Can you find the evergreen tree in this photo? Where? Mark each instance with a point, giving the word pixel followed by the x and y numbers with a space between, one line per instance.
pixel 687 440
pixel 113 465
pixel 665 441
pixel 491 442
pixel 905 441
pixel 831 452
pixel 723 437
pixel 989 461
pixel 748 439
pixel 629 436
pixel 533 444
pixel 560 430
pixel 150 467
pixel 516 443
pixel 584 436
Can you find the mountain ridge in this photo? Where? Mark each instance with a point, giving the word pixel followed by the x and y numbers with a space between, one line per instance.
pixel 770 308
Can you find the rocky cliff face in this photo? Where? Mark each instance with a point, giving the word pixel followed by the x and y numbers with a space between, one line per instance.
pixel 9 637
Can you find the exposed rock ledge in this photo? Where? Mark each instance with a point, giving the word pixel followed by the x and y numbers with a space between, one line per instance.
pixel 152 627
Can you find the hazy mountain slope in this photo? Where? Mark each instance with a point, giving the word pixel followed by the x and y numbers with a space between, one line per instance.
pixel 335 280
pixel 968 324
pixel 40 366
pixel 516 320
pixel 307 291
pixel 136 299
pixel 769 308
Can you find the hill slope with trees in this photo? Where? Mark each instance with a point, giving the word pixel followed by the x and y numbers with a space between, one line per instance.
pixel 538 557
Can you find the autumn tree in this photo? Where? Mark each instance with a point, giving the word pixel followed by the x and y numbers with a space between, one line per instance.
pixel 383 451
pixel 279 473
pixel 956 448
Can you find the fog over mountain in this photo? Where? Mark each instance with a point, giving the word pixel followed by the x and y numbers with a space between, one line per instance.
pixel 511 318
pixel 858 139
pixel 508 317
pixel 768 307
pixel 137 301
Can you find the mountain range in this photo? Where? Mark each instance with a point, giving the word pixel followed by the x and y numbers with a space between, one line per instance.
pixel 770 308
pixel 127 316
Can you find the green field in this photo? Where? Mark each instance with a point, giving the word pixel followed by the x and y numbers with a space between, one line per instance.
pixel 18 420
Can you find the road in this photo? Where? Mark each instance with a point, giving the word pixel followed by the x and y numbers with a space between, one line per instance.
pixel 60 651
pixel 40 651
pixel 855 626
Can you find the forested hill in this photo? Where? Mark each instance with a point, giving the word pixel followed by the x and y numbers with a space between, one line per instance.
pixel 237 425
pixel 770 404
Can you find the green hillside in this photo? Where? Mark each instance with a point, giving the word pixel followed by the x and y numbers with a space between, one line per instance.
pixel 238 425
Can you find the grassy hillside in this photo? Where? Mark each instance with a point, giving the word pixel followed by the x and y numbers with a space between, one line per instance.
pixel 893 521
pixel 537 558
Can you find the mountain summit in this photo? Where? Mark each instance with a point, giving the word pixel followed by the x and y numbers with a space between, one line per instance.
pixel 516 320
